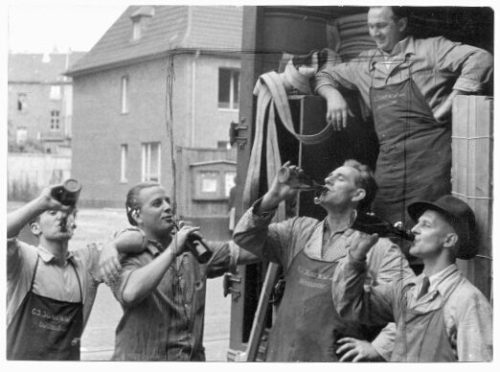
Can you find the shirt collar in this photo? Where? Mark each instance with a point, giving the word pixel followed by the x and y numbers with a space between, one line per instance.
pixel 154 247
pixel 438 278
pixel 48 257
pixel 405 47
pixel 439 282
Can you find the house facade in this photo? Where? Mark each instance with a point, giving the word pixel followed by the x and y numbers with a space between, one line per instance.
pixel 40 102
pixel 122 117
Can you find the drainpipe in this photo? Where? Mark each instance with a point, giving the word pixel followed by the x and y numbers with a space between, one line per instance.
pixel 193 98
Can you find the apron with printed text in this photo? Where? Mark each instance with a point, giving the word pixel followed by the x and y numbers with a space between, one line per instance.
pixel 414 159
pixel 44 328
pixel 307 325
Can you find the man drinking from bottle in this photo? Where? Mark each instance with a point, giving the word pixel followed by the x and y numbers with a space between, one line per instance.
pixel 307 327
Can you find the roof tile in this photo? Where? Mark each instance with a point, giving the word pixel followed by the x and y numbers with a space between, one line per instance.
pixel 170 28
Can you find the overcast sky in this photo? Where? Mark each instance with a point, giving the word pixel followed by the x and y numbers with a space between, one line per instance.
pixel 41 26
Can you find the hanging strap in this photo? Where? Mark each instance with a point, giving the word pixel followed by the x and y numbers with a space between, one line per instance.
pixel 272 97
pixel 279 97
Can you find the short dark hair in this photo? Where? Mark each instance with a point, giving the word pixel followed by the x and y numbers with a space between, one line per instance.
pixel 366 181
pixel 132 203
pixel 400 12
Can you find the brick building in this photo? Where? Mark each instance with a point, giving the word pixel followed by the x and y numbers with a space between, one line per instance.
pixel 40 101
pixel 121 99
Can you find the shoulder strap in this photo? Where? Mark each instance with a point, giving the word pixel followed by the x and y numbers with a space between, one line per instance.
pixel 34 272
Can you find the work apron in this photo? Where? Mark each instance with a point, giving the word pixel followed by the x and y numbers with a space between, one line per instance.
pixel 414 160
pixel 44 328
pixel 307 325
pixel 422 336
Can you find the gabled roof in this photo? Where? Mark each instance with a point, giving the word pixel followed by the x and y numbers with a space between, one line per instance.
pixel 40 68
pixel 209 28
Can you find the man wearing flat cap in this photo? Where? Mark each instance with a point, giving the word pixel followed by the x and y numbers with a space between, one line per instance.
pixel 440 315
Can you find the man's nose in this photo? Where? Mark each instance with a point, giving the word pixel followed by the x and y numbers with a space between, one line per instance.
pixel 167 207
pixel 415 229
pixel 62 214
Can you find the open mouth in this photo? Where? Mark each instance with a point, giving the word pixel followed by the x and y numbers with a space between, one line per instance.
pixel 321 192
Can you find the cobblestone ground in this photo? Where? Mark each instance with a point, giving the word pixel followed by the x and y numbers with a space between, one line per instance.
pixel 97 225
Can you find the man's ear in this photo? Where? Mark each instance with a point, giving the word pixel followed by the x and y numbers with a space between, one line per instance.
pixel 402 24
pixel 359 195
pixel 136 215
pixel 35 228
pixel 450 240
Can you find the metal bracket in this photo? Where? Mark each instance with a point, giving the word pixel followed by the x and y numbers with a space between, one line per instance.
pixel 227 285
pixel 235 135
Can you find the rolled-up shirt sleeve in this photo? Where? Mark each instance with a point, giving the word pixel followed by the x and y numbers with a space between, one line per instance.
pixel 224 258
pixel 129 265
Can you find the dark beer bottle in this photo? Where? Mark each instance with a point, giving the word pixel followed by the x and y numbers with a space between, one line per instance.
pixel 298 179
pixel 68 192
pixel 371 224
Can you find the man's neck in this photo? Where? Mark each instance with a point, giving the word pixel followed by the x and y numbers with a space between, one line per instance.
pixel 435 265
pixel 163 239
pixel 58 248
pixel 339 220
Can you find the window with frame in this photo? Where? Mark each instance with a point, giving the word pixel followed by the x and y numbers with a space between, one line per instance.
pixel 124 95
pixel 21 135
pixel 151 161
pixel 55 120
pixel 22 102
pixel 55 92
pixel 136 30
pixel 229 88
pixel 123 162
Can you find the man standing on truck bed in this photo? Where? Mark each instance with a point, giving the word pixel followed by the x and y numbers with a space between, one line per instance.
pixel 307 327
pixel 409 85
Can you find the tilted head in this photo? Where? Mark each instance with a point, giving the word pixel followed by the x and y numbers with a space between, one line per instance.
pixel 387 26
pixel 54 225
pixel 351 185
pixel 448 223
pixel 149 208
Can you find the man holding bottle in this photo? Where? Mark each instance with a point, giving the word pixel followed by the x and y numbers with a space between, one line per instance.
pixel 309 252
pixel 162 286
pixel 50 288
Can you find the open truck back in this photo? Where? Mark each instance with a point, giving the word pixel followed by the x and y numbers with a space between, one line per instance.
pixel 270 31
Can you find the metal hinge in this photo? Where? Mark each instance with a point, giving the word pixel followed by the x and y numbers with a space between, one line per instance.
pixel 234 133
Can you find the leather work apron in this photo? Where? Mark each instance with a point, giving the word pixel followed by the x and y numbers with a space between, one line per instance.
pixel 422 337
pixel 414 160
pixel 307 325
pixel 44 328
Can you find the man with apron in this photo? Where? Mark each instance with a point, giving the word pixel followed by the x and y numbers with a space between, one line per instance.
pixel 307 327
pixel 50 290
pixel 409 85
pixel 440 315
